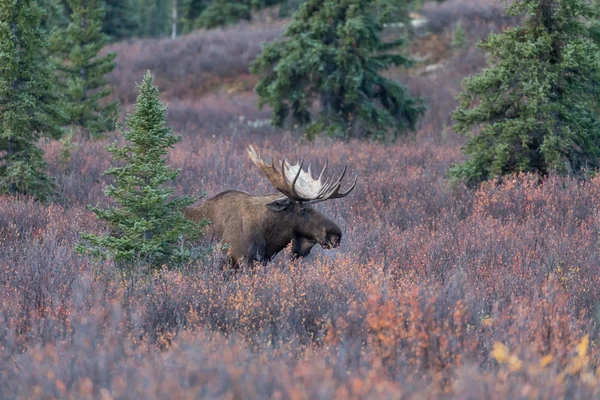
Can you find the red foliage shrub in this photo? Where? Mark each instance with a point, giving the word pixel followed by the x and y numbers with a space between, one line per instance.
pixel 190 65
pixel 435 290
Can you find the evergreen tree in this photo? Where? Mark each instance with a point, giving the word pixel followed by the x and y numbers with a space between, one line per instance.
pixel 155 18
pixel 54 14
pixel 394 10
pixel 146 223
pixel 190 11
pixel 333 52
pixel 224 12
pixel 459 38
pixel 536 108
pixel 28 104
pixel 121 19
pixel 288 7
pixel 82 70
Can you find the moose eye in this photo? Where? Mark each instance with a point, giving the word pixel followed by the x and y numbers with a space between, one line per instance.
pixel 304 212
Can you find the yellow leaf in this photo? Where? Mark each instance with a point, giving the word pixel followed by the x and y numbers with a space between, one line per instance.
pixel 546 360
pixel 500 352
pixel 486 322
pixel 583 346
pixel 578 364
pixel 515 363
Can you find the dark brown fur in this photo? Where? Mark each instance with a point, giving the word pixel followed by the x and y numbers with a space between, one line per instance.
pixel 259 227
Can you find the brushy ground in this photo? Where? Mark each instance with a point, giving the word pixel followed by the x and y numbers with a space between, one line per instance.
pixel 436 291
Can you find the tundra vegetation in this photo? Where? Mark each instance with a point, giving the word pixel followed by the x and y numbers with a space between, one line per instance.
pixel 437 289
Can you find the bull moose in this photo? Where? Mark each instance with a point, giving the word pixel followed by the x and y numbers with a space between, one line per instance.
pixel 258 227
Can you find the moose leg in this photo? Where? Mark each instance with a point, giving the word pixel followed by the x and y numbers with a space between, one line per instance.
pixel 256 251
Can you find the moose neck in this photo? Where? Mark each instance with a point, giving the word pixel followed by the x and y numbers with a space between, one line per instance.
pixel 278 232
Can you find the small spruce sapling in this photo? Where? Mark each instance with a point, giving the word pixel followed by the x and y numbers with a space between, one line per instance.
pixel 146 224
pixel 459 38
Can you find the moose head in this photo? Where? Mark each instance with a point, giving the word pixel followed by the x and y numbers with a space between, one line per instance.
pixel 294 208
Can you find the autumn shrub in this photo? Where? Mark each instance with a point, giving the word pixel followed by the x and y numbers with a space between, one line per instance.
pixel 438 77
pixel 478 16
pixel 217 114
pixel 190 65
pixel 435 290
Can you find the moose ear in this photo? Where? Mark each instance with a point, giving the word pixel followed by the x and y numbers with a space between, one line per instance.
pixel 279 204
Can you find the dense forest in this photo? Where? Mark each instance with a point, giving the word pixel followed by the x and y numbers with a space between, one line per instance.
pixel 155 18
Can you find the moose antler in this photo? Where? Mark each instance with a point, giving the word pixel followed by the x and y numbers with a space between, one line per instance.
pixel 297 184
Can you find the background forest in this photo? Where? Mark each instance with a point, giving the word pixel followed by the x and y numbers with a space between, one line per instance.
pixel 448 283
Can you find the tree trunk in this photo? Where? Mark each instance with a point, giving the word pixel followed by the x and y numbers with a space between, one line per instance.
pixel 174 20
pixel 82 71
pixel 12 145
pixel 12 149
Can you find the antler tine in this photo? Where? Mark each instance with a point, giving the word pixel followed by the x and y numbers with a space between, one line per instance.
pixel 333 186
pixel 324 189
pixel 327 187
pixel 298 173
pixel 347 192
pixel 293 185
pixel 299 185
pixel 275 177
pixel 343 174
pixel 324 168
pixel 333 189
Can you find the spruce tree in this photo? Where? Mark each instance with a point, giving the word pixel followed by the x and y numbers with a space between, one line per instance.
pixel 333 52
pixel 54 14
pixel 28 102
pixel 121 19
pixel 537 106
pixel 146 223
pixel 190 12
pixel 224 12
pixel 288 7
pixel 155 18
pixel 459 38
pixel 82 70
